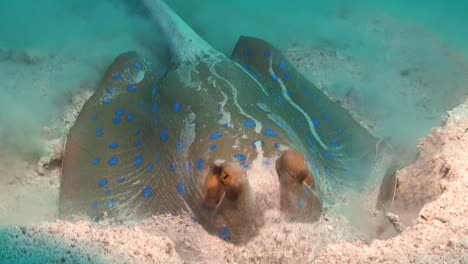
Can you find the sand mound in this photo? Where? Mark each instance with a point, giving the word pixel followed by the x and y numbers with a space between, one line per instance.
pixel 440 234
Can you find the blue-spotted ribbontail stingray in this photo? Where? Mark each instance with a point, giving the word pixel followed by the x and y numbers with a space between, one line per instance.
pixel 180 140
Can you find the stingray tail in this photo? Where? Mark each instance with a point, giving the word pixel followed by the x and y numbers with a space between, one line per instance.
pixel 184 43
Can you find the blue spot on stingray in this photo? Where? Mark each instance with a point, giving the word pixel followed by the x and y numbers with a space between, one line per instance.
pixel 117 75
pixel 340 131
pixel 212 147
pixel 181 188
pixel 137 160
pixel 94 204
pixel 137 65
pixel 157 73
pixel 327 117
pixel 249 123
pixel 200 164
pixel 108 191
pixel 300 204
pixel 277 145
pixel 137 143
pixel 141 102
pixel 155 90
pixel 225 125
pixel 176 107
pixel 147 192
pixel 119 111
pixel 110 90
pixel 245 164
pixel 113 161
pixel 96 219
pixel 96 161
pixel 248 51
pixel 120 179
pixel 180 145
pixel 111 203
pixel 215 135
pixel 274 77
pixel 116 120
pixel 131 88
pixel 107 100
pixel 130 117
pixel 154 107
pixel 281 65
pixel 240 157
pixel 149 167
pixel 306 191
pixel 254 143
pixel 113 145
pixel 335 142
pixel 328 155
pixel 254 75
pixel 103 182
pixel 269 133
pixel 164 135
pixel 172 167
pixel 287 77
pixel 289 93
pixel 157 159
pixel 156 121
pixel 266 53
pixel 94 117
pixel 224 233
pixel 315 121
pixel 246 67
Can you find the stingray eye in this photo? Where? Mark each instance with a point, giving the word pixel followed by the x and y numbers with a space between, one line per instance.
pixel 225 179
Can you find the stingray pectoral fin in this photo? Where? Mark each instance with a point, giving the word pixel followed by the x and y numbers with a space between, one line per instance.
pixel 110 158
pixel 334 143
pixel 324 116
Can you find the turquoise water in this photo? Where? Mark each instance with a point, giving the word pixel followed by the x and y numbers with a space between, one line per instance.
pixel 407 62
pixel 22 247
pixel 73 42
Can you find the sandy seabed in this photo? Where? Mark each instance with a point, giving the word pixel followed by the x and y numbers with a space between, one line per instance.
pixel 440 234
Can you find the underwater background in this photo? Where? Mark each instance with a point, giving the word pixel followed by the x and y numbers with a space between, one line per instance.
pixel 50 49
pixel 398 64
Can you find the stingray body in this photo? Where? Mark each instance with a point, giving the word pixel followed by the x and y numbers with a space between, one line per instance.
pixel 146 139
